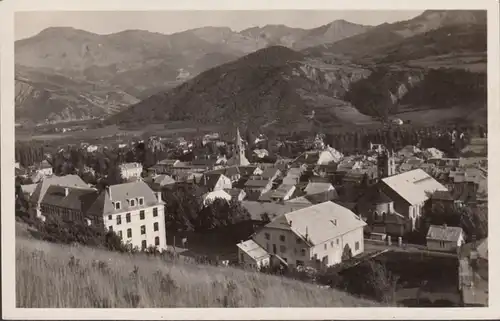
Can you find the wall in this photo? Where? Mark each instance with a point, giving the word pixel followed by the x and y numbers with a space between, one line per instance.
pixel 335 247
pixel 292 249
pixel 135 225
pixel 446 246
pixel 247 261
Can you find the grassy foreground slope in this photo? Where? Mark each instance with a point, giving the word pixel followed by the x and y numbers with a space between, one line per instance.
pixel 48 277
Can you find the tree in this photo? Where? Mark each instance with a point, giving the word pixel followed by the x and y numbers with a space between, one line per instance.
pixel 347 253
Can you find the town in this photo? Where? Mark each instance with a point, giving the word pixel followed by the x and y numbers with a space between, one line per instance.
pixel 412 199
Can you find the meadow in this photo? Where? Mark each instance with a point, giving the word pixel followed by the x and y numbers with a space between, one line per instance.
pixel 57 276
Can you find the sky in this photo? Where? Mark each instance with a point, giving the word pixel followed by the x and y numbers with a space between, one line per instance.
pixel 28 24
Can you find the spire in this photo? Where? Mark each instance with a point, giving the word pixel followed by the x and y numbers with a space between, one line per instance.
pixel 238 137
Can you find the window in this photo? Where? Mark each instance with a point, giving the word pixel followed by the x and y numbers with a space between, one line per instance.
pixel 144 244
pixel 303 252
pixel 155 226
pixel 110 217
pixel 298 240
pixel 282 249
pixel 118 219
pixel 110 228
pixel 282 238
pixel 274 248
pixel 118 205
pixel 268 236
pixel 155 212
pixel 326 246
pixel 127 217
pixel 157 241
pixel 132 202
pixel 356 246
pixel 242 257
pixel 143 229
pixel 331 243
pixel 267 246
pixel 141 200
pixel 337 241
pixel 129 232
pixel 141 214
pixel 120 234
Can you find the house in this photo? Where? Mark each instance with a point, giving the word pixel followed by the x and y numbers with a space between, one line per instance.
pixel 283 193
pixel 210 162
pixel 17 165
pixel 293 176
pixel 271 174
pixel 252 255
pixel 216 182
pixel 260 153
pixel 319 157
pixel 71 203
pixel 237 194
pixel 164 166
pixel 319 192
pixel 247 171
pixel 259 210
pixel 131 170
pixel 210 197
pixel 318 233
pixel 445 238
pixel 256 186
pixel 37 195
pixel 409 192
pixel 134 212
pixel 163 181
pixel 45 168
pixel 233 172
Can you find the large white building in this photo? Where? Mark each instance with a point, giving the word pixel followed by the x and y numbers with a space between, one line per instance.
pixel 311 235
pixel 134 212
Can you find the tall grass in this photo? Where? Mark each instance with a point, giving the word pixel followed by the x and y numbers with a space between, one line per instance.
pixel 57 276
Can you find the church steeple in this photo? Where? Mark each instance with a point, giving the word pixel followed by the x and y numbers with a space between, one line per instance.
pixel 239 157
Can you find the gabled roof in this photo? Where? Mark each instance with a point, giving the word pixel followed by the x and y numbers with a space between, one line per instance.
pixel 77 199
pixel 269 173
pixel 282 190
pixel 319 223
pixel 227 171
pixel 256 209
pixel 374 195
pixel 256 183
pixel 163 180
pixel 444 233
pixel 414 186
pixel 210 180
pixel 66 181
pixel 317 188
pixel 252 249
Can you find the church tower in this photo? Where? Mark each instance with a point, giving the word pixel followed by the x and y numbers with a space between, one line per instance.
pixel 386 164
pixel 239 158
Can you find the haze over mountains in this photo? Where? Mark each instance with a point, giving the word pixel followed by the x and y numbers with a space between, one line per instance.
pixel 280 73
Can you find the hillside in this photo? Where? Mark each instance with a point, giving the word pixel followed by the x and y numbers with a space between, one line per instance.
pixel 272 84
pixel 415 36
pixel 48 96
pixel 45 278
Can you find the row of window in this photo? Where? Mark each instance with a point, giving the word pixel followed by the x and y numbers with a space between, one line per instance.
pixel 128 218
pixel 282 238
pixel 129 230
pixel 283 249
pixel 131 202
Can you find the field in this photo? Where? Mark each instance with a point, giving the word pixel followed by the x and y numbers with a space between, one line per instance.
pixel 46 277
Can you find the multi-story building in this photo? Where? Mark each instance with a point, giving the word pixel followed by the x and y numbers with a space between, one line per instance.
pixel 131 170
pixel 134 212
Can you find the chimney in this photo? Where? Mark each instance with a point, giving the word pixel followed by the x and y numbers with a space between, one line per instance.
pixel 108 190
pixel 290 223
pixel 158 196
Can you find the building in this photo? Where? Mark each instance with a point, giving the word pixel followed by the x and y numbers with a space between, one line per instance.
pixel 45 169
pixel 70 203
pixel 252 255
pixel 216 182
pixel 445 238
pixel 237 194
pixel 238 157
pixel 131 171
pixel 282 193
pixel 134 212
pixel 386 164
pixel 409 191
pixel 320 192
pixel 256 186
pixel 34 201
pixel 164 166
pixel 377 209
pixel 271 174
pixel 315 235
pixel 233 172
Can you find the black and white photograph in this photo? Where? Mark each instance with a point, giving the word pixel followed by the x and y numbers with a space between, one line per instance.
pixel 250 158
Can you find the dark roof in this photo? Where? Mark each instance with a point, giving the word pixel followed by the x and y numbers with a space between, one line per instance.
pixel 442 195
pixel 247 170
pixel 375 195
pixel 210 180
pixel 77 199
pixel 227 171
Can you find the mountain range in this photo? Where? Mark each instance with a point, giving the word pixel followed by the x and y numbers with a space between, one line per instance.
pixel 272 73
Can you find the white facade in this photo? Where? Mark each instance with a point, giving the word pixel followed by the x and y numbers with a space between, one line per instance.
pixel 140 225
pixel 131 170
